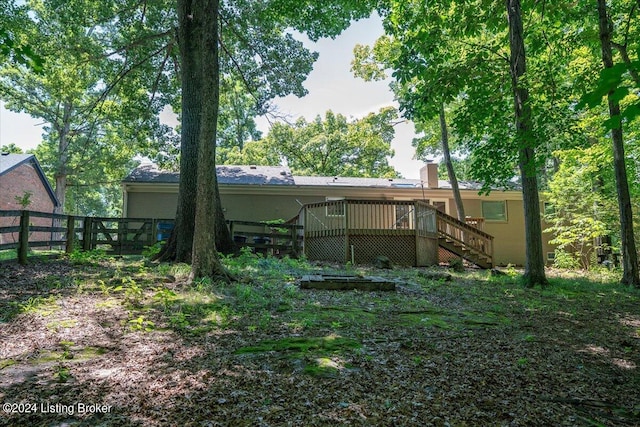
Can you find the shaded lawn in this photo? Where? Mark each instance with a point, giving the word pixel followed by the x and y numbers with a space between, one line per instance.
pixel 476 350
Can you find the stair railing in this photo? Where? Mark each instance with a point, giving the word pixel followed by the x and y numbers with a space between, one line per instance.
pixel 466 236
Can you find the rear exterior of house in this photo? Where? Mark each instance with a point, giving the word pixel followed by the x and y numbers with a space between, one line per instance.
pixel 262 193
pixel 23 185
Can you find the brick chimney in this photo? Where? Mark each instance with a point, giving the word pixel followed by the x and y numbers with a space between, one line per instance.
pixel 429 175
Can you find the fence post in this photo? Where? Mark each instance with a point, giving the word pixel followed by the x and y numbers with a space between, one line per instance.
pixel 23 238
pixel 71 233
pixel 86 233
pixel 153 238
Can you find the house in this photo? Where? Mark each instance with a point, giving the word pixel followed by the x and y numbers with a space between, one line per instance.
pixel 262 193
pixel 23 185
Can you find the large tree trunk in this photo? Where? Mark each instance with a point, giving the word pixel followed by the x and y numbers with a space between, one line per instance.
pixel 534 273
pixel 629 254
pixel 180 244
pixel 205 262
pixel 444 132
pixel 62 169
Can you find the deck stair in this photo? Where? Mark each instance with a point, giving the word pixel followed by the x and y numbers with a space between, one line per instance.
pixel 464 240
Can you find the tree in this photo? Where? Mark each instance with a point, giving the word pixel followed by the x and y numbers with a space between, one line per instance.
pixel 534 265
pixel 414 66
pixel 93 94
pixel 205 261
pixel 336 147
pixel 11 149
pixel 269 61
pixel 581 206
pixel 236 119
pixel 629 253
pixel 13 49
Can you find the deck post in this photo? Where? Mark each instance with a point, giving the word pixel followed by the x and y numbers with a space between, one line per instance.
pixel 23 239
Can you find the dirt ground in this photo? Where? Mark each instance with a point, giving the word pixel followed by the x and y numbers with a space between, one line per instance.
pixel 124 343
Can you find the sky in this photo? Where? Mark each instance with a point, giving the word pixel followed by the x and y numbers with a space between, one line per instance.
pixel 331 86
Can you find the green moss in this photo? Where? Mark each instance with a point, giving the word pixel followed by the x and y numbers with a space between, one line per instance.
pixel 68 355
pixel 328 344
pixel 431 319
pixel 5 363
pixel 60 324
pixel 322 367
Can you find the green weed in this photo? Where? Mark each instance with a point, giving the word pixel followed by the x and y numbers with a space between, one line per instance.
pixel 141 324
pixel 61 373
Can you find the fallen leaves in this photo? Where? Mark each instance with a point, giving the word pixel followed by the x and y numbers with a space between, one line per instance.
pixel 528 358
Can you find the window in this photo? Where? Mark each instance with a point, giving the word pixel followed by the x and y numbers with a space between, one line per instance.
pixel 335 209
pixel 494 211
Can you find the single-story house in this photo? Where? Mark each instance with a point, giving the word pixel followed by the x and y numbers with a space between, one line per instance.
pixel 23 185
pixel 263 193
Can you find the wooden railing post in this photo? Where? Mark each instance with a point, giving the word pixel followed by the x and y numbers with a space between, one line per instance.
pixel 71 234
pixel 23 238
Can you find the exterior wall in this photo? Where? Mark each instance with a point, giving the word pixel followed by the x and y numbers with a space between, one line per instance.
pixel 243 203
pixel 15 183
pixel 151 205
pixel 508 242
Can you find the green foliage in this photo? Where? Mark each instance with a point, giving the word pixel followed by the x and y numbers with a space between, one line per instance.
pixel 334 146
pixel 581 205
pixel 25 200
pixel 566 260
pixel 140 324
pixel 61 373
pixel 151 251
pixel 11 149
pixel 91 257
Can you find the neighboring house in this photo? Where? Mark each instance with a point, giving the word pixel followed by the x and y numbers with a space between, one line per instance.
pixel 23 185
pixel 262 193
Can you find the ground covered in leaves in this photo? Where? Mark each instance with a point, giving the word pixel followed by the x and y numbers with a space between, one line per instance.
pixel 93 340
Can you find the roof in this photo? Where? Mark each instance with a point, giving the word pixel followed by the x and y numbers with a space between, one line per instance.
pixel 9 162
pixel 256 175
pixel 281 175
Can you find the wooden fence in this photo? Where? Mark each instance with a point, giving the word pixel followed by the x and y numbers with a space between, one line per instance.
pixel 24 230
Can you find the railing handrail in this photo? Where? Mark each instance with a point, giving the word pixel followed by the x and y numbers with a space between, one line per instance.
pixel 460 224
